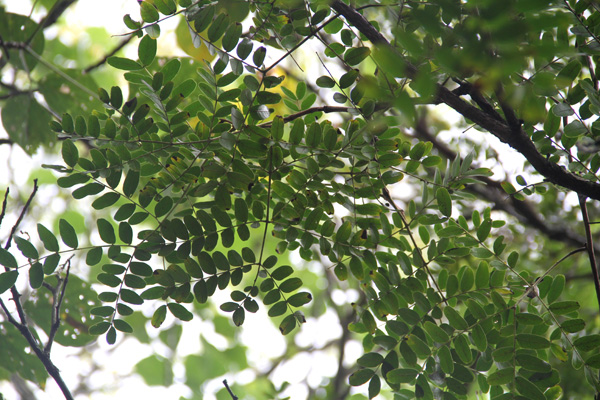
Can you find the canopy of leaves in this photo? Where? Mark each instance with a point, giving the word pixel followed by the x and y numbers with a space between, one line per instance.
pixel 207 172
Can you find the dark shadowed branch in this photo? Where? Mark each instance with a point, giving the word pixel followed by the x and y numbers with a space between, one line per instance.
pixel 233 396
pixel 515 138
pixel 492 192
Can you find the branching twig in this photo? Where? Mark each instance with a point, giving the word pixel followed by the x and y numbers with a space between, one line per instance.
pixel 14 91
pixel 22 324
pixel 61 287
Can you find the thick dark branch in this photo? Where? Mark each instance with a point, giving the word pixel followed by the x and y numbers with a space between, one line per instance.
pixel 365 27
pixel 493 192
pixel 233 396
pixel 466 87
pixel 515 139
pixel 509 113
pixel 522 143
pixel 57 10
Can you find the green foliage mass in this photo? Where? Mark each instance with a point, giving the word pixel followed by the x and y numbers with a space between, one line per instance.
pixel 206 172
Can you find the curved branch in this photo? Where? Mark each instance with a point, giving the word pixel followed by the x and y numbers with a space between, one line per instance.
pixel 492 192
pixel 515 138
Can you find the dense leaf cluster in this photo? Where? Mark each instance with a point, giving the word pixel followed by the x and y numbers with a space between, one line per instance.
pixel 210 171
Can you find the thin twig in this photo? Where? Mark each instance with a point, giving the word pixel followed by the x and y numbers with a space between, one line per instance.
pixel 299 44
pixel 114 51
pixel 590 245
pixel 385 194
pixel 14 91
pixel 23 211
pixel 3 213
pixel 233 396
pixel 62 286
pixel 532 290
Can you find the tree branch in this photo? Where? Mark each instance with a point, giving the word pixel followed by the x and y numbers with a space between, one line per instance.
pixel 58 295
pixel 518 140
pixel 4 202
pixel 14 91
pixel 233 396
pixel 23 211
pixel 57 10
pixel 325 109
pixel 466 87
pixel 43 357
pixel 492 191
pixel 590 245
pixel 13 45
pixel 22 324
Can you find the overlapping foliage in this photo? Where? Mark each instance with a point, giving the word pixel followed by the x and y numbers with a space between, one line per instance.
pixel 204 162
